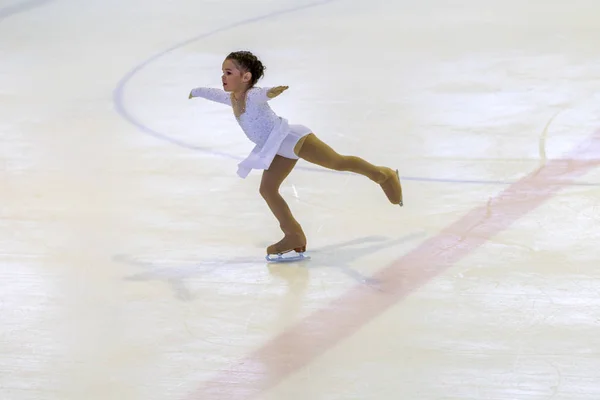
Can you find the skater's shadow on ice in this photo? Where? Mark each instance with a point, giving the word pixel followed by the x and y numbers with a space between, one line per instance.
pixel 342 255
pixel 338 256
pixel 174 272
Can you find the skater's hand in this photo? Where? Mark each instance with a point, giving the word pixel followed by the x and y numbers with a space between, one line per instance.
pixel 276 91
pixel 190 96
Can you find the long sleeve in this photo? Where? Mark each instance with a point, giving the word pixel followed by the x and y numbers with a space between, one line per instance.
pixel 258 95
pixel 212 94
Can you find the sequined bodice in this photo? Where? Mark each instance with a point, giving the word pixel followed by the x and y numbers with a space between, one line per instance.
pixel 257 120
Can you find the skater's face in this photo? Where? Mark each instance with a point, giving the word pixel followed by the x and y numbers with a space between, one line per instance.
pixel 234 78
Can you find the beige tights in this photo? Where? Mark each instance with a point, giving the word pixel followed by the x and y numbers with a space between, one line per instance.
pixel 313 150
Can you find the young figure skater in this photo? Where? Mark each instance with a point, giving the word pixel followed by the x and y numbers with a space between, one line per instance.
pixel 279 145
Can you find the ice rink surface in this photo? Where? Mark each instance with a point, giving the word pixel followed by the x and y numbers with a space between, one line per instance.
pixel 132 256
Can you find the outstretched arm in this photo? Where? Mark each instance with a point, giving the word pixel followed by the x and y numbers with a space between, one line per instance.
pixel 265 94
pixel 213 94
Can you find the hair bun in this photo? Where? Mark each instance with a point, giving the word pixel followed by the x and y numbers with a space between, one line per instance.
pixel 248 61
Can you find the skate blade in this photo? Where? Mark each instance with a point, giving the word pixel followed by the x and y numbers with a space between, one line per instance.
pixel 282 258
pixel 401 201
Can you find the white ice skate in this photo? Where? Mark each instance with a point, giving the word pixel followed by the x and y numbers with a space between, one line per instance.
pixel 288 256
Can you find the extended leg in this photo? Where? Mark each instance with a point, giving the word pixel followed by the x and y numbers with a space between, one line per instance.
pixel 269 189
pixel 313 150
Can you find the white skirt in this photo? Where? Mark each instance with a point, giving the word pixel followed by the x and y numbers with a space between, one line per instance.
pixel 296 133
pixel 282 140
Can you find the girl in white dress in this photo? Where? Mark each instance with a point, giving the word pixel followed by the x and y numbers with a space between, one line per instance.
pixel 279 145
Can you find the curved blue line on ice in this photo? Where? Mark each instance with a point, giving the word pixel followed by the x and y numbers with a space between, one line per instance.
pixel 121 108
pixel 21 7
pixel 118 93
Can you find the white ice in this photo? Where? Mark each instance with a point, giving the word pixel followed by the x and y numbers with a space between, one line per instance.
pixel 132 256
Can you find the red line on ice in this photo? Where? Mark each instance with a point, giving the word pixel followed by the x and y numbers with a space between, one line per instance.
pixel 314 335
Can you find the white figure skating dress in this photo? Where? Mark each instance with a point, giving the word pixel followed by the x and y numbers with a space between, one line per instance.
pixel 269 132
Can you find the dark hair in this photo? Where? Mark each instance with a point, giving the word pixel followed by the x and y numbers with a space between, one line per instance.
pixel 248 61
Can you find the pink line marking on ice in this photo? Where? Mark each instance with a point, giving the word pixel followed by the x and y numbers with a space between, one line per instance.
pixel 311 337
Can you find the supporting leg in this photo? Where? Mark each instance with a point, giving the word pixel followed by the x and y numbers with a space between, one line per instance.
pixel 294 238
pixel 313 150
